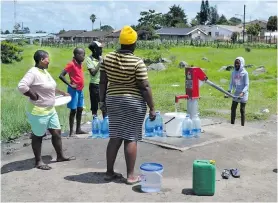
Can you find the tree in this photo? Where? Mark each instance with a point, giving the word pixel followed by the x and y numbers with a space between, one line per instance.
pixel 202 15
pixel 106 28
pixel 6 32
pixel 222 20
pixel 174 16
pixel 145 32
pixel 207 11
pixel 181 25
pixel 194 22
pixel 234 21
pixel 213 16
pixel 26 30
pixel 253 29
pixel 16 28
pixel 150 18
pixel 234 37
pixel 93 19
pixel 40 31
pixel 62 31
pixel 272 23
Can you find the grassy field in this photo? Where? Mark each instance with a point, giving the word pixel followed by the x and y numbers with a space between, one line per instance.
pixel 262 88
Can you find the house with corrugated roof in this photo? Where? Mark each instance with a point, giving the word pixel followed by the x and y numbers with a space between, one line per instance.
pixel 181 33
pixel 70 35
pixel 224 32
pixel 87 37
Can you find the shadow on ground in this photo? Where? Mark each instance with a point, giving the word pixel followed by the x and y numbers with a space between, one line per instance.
pixel 188 191
pixel 93 178
pixel 137 188
pixel 275 170
pixel 23 165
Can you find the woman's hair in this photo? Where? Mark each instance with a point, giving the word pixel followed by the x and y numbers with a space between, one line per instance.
pixel 39 55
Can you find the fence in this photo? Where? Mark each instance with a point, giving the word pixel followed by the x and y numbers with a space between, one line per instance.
pixel 263 39
pixel 157 44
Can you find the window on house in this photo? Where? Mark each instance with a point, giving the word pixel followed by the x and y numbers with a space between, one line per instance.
pixel 209 33
pixel 217 34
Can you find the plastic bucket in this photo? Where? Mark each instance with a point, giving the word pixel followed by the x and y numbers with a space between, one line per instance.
pixel 151 177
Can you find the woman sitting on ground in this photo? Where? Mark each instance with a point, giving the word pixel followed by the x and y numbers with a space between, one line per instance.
pixel 40 87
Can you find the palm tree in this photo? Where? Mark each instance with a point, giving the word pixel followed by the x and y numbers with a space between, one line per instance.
pixel 93 19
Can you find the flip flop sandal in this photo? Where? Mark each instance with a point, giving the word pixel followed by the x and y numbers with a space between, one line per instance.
pixel 225 174
pixel 133 181
pixel 235 172
pixel 44 167
pixel 68 159
pixel 113 177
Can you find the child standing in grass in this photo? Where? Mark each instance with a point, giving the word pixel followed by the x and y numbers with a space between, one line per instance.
pixel 240 84
pixel 75 88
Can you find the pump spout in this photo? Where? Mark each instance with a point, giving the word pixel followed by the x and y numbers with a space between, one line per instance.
pixel 220 89
pixel 178 97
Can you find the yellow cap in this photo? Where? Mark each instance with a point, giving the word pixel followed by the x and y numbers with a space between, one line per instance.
pixel 128 36
pixel 212 162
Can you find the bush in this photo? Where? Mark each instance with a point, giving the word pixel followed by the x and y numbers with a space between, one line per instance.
pixel 153 57
pixel 22 42
pixel 10 52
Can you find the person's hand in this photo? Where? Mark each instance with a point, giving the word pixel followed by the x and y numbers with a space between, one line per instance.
pixel 100 59
pixel 65 94
pixel 152 115
pixel 73 86
pixel 102 107
pixel 241 94
pixel 226 96
pixel 34 96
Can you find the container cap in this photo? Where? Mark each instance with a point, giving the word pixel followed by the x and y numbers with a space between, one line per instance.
pixel 212 162
pixel 151 167
pixel 157 112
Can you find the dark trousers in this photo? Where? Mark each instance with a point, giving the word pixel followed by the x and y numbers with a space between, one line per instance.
pixel 242 112
pixel 94 97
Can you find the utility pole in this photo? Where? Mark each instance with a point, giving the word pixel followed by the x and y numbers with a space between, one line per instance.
pixel 244 23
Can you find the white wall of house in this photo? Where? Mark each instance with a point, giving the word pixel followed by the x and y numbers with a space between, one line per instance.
pixel 196 34
pixel 220 33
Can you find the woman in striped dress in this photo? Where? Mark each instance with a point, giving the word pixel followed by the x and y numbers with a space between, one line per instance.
pixel 124 92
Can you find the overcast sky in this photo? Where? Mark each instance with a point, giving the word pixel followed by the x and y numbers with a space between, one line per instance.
pixel 52 16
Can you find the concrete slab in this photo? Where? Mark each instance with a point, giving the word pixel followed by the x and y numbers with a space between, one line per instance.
pixel 212 134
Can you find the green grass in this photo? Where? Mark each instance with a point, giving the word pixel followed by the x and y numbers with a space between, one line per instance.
pixel 262 88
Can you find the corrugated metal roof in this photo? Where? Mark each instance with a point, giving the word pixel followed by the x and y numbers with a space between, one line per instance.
pixel 231 28
pixel 93 34
pixel 71 33
pixel 174 31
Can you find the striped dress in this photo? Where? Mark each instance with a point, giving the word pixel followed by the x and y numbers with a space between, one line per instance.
pixel 126 107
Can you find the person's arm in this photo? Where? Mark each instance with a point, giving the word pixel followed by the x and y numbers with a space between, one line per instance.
pixel 24 86
pixel 144 86
pixel 103 88
pixel 231 83
pixel 63 78
pixel 94 69
pixel 57 91
pixel 246 82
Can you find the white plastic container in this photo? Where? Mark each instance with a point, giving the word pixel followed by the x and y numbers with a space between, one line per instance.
pixel 151 177
pixel 174 127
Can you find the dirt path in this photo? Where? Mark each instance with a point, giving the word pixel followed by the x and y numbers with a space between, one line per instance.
pixel 82 179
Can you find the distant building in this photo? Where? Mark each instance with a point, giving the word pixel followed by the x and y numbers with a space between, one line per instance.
pixel 70 35
pixel 262 24
pixel 87 37
pixel 30 37
pixel 224 32
pixel 181 33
